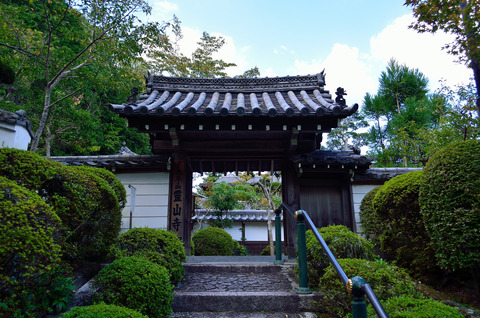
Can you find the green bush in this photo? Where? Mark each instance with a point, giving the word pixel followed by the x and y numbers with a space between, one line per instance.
pixel 239 249
pixel 158 246
pixel 342 242
pixel 450 205
pixel 212 241
pixel 370 226
pixel 386 281
pixel 135 283
pixel 102 310
pixel 404 239
pixel 113 181
pixel 409 307
pixel 28 251
pixel 86 204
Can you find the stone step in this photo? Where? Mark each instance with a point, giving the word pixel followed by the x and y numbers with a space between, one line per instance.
pixel 242 315
pixel 240 288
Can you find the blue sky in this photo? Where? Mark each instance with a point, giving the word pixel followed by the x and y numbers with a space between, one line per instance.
pixel 351 39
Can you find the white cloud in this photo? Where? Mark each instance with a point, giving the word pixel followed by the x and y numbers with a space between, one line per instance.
pixel 163 10
pixel 343 68
pixel 422 51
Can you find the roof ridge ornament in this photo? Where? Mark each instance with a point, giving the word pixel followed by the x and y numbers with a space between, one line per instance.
pixel 339 99
pixel 125 151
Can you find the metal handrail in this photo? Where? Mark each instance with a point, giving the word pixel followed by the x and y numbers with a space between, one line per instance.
pixel 359 287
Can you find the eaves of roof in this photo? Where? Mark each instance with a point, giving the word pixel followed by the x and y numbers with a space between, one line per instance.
pixel 291 96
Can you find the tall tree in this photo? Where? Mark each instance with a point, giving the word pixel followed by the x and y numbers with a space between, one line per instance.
pixel 202 63
pixel 348 135
pixel 458 17
pixel 62 41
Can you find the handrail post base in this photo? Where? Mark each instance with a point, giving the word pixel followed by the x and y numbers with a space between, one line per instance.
pixel 303 290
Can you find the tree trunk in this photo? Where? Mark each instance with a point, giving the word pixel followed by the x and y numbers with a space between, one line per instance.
pixel 476 75
pixel 43 119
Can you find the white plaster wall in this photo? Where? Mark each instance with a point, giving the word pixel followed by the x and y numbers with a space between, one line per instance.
pixel 151 199
pixel 14 136
pixel 358 193
pixel 254 231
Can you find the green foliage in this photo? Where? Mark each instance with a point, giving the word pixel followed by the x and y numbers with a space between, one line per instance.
pixel 342 242
pixel 28 251
pixel 239 249
pixel 386 281
pixel 367 216
pixel 135 283
pixel 450 205
pixel 113 181
pixel 401 231
pixel 222 200
pixel 102 310
pixel 212 241
pixel 86 203
pixel 158 246
pixel 409 307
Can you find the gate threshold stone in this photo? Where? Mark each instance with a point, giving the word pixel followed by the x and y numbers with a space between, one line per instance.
pixel 232 259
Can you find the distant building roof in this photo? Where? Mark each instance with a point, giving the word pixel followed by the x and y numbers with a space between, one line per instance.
pixel 17 118
pixel 236 215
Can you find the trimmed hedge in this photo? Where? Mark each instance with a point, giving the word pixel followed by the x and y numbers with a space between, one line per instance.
pixel 409 307
pixel 450 205
pixel 158 246
pixel 342 242
pixel 370 227
pixel 86 204
pixel 102 310
pixel 386 281
pixel 403 239
pixel 28 250
pixel 212 241
pixel 135 283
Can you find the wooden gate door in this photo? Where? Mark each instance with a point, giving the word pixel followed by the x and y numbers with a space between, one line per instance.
pixel 327 202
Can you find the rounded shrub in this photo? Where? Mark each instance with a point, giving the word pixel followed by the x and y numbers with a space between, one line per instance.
pixel 403 237
pixel 212 241
pixel 102 310
pixel 450 205
pixel 28 250
pixel 386 281
pixel 158 246
pixel 135 283
pixel 370 226
pixel 342 242
pixel 409 307
pixel 86 204
pixel 239 249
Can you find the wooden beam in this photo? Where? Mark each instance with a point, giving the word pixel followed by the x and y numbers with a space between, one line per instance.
pixel 174 137
pixel 294 139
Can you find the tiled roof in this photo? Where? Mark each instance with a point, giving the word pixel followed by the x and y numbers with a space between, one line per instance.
pixel 125 159
pixel 279 96
pixel 17 118
pixel 237 215
pixel 332 158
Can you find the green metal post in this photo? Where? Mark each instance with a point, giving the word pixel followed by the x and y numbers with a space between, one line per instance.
pixel 302 254
pixel 359 307
pixel 278 238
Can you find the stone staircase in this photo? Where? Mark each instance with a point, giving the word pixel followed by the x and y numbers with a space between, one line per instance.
pixel 240 286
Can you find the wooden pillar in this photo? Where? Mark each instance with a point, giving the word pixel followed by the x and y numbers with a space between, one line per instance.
pixel 180 200
pixel 291 197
